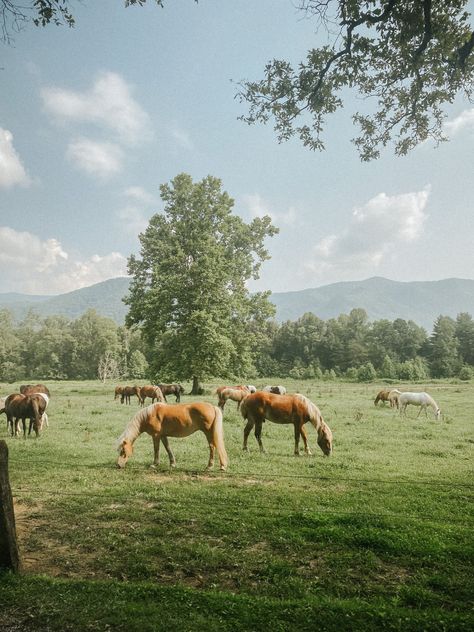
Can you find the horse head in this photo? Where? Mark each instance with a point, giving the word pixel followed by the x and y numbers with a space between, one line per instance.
pixel 125 451
pixel 325 439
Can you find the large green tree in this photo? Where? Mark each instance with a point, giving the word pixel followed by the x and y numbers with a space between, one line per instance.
pixel 411 57
pixel 189 290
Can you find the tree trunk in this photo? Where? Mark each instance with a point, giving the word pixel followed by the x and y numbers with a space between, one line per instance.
pixel 197 388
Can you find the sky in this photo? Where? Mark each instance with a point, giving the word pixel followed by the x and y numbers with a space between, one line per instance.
pixel 94 118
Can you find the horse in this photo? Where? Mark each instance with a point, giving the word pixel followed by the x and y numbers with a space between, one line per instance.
pixel 172 389
pixel 175 420
pixel 276 390
pixel 29 389
pixel 285 409
pixel 127 392
pixel 251 388
pixel 20 407
pixel 2 408
pixel 118 392
pixel 151 391
pixel 382 396
pixel 419 399
pixel 235 394
pixel 394 398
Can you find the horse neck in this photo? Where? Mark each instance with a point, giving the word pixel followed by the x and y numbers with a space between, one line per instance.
pixel 134 427
pixel 431 402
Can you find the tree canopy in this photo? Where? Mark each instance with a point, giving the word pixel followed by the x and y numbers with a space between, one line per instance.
pixel 405 59
pixel 188 290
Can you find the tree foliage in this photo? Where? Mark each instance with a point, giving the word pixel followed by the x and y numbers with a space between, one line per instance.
pixel 405 59
pixel 188 290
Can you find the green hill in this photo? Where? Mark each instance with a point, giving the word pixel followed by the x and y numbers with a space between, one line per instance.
pixel 420 301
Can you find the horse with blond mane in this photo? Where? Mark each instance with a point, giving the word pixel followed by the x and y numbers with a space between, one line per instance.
pixel 161 421
pixel 154 392
pixel 235 394
pixel 285 409
pixel 423 400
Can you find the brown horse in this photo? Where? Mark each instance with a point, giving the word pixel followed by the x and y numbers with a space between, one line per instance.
pixel 285 409
pixel 30 389
pixel 387 395
pixel 235 394
pixel 175 420
pixel 21 407
pixel 151 391
pixel 172 389
pixel 118 392
pixel 127 392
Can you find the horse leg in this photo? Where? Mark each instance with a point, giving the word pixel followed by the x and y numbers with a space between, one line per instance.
pixel 164 441
pixel 212 447
pixel 297 438
pixel 305 440
pixel 419 412
pixel 258 434
pixel 247 430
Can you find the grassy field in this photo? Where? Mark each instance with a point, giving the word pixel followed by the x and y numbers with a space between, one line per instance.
pixel 379 535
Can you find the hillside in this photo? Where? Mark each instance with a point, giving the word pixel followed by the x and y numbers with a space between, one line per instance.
pixel 420 301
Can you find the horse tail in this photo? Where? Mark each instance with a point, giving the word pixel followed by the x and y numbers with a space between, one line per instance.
pixel 218 437
pixel 244 408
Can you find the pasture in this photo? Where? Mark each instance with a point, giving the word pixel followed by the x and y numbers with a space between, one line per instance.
pixel 379 535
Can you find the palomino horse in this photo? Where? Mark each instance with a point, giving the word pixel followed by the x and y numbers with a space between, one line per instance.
pixel 394 398
pixel 285 409
pixel 172 389
pixel 154 392
pixel 21 407
pixel 235 394
pixel 423 400
pixel 175 420
pixel 127 392
pixel 276 390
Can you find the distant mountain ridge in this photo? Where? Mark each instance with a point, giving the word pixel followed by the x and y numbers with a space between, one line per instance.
pixel 420 301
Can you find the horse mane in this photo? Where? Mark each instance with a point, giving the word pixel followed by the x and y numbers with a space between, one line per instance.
pixel 312 411
pixel 133 428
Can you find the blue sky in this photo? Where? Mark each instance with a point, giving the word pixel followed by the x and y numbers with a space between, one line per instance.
pixel 93 119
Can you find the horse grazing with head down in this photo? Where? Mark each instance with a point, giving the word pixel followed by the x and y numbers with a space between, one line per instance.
pixel 30 389
pixel 154 392
pixel 276 390
pixel 175 420
pixel 423 400
pixel 20 407
pixel 172 389
pixel 235 394
pixel 285 409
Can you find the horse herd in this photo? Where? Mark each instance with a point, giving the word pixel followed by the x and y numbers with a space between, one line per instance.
pixel 401 400
pixel 162 420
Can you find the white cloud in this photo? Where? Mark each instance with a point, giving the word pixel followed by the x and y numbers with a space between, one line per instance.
pixel 132 220
pixel 98 159
pixel 29 264
pixel 462 121
pixel 258 207
pixel 109 103
pixel 183 139
pixel 140 195
pixel 12 171
pixel 375 231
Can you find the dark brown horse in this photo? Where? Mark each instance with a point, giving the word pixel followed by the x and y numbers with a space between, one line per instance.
pixel 285 409
pixel 154 392
pixel 127 392
pixel 29 389
pixel 172 389
pixel 20 407
pixel 118 392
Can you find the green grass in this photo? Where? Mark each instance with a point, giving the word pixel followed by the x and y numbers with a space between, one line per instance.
pixel 377 535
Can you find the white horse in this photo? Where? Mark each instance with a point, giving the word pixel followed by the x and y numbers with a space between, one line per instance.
pixel 276 390
pixel 251 388
pixel 423 400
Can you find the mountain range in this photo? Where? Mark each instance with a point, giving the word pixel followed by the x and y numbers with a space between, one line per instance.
pixel 420 301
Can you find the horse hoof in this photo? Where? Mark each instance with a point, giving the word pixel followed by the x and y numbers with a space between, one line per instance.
pixel 153 466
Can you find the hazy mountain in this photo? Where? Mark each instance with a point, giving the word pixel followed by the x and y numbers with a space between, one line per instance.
pixel 421 301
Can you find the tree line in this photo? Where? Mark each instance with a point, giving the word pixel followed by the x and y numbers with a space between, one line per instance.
pixel 350 346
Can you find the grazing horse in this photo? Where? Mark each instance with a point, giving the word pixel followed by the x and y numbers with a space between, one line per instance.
pixel 251 388
pixel 423 400
pixel 235 394
pixel 394 398
pixel 382 396
pixel 118 392
pixel 127 392
pixel 29 389
pixel 151 391
pixel 285 409
pixel 172 389
pixel 175 420
pixel 276 390
pixel 20 407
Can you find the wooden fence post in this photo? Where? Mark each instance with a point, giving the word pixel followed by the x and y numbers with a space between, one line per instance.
pixel 9 554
